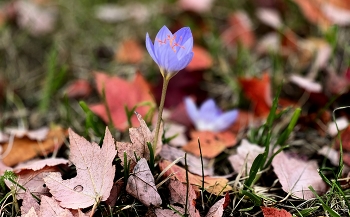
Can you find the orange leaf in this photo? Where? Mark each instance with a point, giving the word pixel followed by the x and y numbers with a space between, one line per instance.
pixel 129 51
pixel 24 148
pixel 217 185
pixel 259 92
pixel 274 212
pixel 120 94
pixel 212 144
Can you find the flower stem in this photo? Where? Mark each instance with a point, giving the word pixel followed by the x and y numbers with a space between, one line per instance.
pixel 160 111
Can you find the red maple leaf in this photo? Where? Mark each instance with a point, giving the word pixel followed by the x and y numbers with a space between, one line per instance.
pixel 120 94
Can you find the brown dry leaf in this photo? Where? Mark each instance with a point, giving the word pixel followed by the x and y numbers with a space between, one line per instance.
pixel 274 212
pixel 24 148
pixel 240 30
pixel 214 185
pixel 139 137
pixel 141 185
pixel 201 59
pixel 296 176
pixel 246 152
pixel 178 192
pixel 29 202
pixel 115 89
pixel 129 51
pixel 212 144
pixel 118 186
pixel 194 163
pixel 258 90
pixel 95 173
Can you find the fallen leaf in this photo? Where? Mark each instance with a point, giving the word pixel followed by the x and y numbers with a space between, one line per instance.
pixel 141 185
pixel 29 202
pixel 38 134
pixel 32 181
pixel 246 153
pixel 345 139
pixel 24 148
pixel 39 164
pixel 214 185
pixel 31 213
pixel 194 163
pixel 171 213
pixel 340 123
pixel 212 144
pixel 201 59
pixel 331 154
pixel 217 210
pixel 306 83
pixel 270 17
pixel 178 194
pixel 196 6
pixel 115 89
pixel 259 92
pixel 239 31
pixel 139 137
pixel 118 186
pixel 176 132
pixel 80 88
pixel 296 176
pixel 129 51
pixel 50 207
pixel 113 13
pixel 95 173
pixel 274 212
pixel 37 20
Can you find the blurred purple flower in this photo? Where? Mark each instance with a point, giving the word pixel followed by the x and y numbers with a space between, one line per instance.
pixel 172 52
pixel 209 117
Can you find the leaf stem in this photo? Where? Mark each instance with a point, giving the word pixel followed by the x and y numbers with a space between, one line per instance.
pixel 160 111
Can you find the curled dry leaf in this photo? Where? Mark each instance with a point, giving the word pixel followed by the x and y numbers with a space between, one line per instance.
pixel 296 176
pixel 141 185
pixel 194 163
pixel 24 148
pixel 246 152
pixel 212 144
pixel 214 185
pixel 95 173
pixel 274 212
pixel 139 137
pixel 117 101
pixel 38 134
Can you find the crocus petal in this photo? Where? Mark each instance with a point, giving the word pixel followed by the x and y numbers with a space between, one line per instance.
pixel 161 41
pixel 167 58
pixel 185 49
pixel 209 106
pixel 176 66
pixel 182 36
pixel 191 109
pixel 226 120
pixel 150 48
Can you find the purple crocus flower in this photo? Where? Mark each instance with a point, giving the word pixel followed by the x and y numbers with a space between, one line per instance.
pixel 172 52
pixel 209 117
